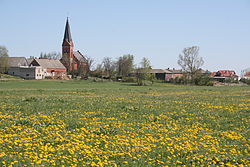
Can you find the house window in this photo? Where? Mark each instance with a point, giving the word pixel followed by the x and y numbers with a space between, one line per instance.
pixel 27 75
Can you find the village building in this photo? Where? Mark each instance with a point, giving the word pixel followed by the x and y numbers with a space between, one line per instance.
pixel 173 73
pixel 223 75
pixel 160 74
pixel 52 69
pixel 246 75
pixel 28 72
pixel 19 66
pixel 166 74
pixel 74 61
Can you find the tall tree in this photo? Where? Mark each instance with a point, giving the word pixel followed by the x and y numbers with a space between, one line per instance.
pixel 143 72
pixel 3 59
pixel 190 61
pixel 85 68
pixel 125 65
pixel 108 66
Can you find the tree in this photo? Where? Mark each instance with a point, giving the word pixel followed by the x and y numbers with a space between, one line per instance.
pixel 85 68
pixel 3 59
pixel 125 65
pixel 143 72
pixel 190 61
pixel 51 55
pixel 98 72
pixel 108 66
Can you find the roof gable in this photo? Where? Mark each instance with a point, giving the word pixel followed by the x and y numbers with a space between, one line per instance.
pixel 17 61
pixel 79 56
pixel 47 63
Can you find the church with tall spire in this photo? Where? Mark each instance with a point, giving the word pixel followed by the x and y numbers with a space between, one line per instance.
pixel 74 61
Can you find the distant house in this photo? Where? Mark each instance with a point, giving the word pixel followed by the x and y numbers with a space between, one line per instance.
pixel 223 75
pixel 52 68
pixel 246 75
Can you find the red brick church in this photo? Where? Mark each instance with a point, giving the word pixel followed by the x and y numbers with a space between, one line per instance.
pixel 74 61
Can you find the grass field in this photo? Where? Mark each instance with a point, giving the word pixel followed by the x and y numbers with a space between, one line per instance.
pixel 84 123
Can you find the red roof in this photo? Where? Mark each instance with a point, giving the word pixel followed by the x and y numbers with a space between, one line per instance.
pixel 224 73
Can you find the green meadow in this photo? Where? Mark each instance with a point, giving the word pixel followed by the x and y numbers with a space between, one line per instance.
pixel 86 123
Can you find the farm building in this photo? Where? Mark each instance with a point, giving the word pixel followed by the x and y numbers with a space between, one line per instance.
pixel 27 72
pixel 223 75
pixel 52 68
pixel 19 66
pixel 166 74
pixel 173 73
pixel 159 73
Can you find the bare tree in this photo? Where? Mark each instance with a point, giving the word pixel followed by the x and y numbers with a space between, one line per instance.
pixel 125 65
pixel 87 66
pixel 98 71
pixel 3 59
pixel 190 61
pixel 108 66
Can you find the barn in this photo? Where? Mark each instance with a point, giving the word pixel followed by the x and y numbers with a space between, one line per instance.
pixel 52 68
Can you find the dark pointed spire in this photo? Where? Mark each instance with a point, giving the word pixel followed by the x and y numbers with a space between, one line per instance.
pixel 67 34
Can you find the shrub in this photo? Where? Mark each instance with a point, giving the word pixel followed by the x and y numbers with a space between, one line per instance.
pixel 203 80
pixel 244 80
pixel 129 79
pixel 231 80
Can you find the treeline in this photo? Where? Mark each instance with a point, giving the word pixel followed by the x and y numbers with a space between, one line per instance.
pixel 124 68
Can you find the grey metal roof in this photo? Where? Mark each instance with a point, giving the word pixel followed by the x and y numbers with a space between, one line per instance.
pixel 67 33
pixel 17 61
pixel 49 63
pixel 79 56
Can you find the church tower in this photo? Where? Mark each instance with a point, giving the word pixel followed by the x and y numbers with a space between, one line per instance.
pixel 68 49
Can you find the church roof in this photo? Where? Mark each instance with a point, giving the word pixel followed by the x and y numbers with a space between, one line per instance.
pixel 79 56
pixel 48 63
pixel 67 33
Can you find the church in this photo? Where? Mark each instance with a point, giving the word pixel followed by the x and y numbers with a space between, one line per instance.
pixel 74 61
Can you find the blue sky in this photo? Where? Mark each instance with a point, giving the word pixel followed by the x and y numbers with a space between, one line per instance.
pixel 156 29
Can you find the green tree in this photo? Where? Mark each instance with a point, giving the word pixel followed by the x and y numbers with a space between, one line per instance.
pixel 3 59
pixel 143 72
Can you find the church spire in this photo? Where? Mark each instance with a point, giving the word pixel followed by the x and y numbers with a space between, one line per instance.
pixel 67 33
